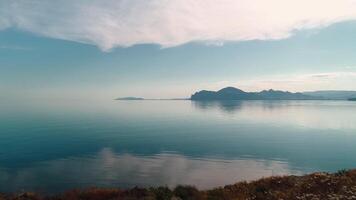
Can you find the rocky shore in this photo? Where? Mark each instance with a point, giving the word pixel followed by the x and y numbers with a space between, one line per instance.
pixel 336 186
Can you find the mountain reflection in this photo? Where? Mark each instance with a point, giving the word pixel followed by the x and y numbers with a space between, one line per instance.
pixel 226 106
pixel 232 106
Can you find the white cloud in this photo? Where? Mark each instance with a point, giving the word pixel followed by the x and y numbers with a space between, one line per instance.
pixel 112 23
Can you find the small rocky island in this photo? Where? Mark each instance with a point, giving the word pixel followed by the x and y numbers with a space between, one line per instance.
pixel 129 98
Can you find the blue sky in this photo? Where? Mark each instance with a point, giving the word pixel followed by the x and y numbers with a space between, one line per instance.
pixel 47 64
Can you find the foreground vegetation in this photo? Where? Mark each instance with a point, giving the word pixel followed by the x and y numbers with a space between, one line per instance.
pixel 340 185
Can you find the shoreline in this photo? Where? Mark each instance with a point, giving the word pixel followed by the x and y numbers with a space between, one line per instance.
pixel 320 185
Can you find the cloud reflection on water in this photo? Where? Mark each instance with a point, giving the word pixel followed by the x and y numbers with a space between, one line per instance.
pixel 107 168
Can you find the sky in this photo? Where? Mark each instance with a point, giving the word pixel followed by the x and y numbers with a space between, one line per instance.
pixel 172 48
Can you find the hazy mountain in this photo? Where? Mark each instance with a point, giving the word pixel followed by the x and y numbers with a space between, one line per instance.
pixel 333 94
pixel 284 95
pixel 130 98
pixel 231 93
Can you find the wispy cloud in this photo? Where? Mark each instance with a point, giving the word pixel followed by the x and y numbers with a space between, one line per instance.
pixel 14 47
pixel 350 67
pixel 329 75
pixel 113 23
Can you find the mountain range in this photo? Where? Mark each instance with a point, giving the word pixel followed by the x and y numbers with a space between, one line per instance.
pixel 231 93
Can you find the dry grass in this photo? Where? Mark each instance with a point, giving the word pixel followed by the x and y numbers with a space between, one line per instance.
pixel 341 185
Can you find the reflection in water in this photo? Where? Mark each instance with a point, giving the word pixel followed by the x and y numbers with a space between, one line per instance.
pixel 232 106
pixel 227 106
pixel 54 145
pixel 337 115
pixel 127 170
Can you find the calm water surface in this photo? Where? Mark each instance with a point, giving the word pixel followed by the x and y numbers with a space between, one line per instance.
pixel 53 146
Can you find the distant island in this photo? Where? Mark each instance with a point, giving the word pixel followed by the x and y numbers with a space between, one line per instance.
pixel 129 98
pixel 140 98
pixel 333 94
pixel 231 93
pixel 352 99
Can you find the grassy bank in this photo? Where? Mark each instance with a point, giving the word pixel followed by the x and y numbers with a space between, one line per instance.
pixel 340 185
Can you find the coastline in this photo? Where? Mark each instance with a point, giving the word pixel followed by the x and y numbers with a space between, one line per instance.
pixel 320 185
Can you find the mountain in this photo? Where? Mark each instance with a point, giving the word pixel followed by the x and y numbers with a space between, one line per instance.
pixel 333 94
pixel 231 93
pixel 130 98
pixel 223 94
